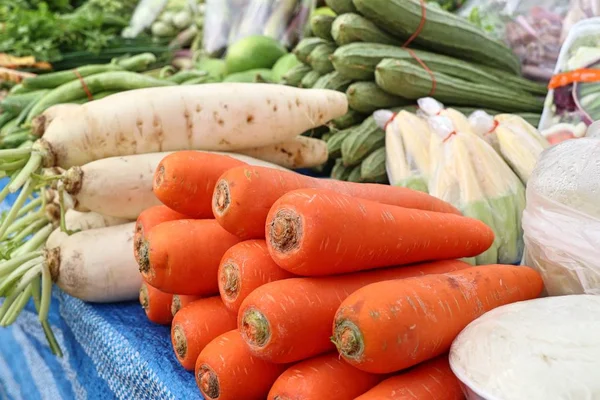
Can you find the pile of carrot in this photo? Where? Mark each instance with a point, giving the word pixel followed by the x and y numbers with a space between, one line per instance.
pixel 283 286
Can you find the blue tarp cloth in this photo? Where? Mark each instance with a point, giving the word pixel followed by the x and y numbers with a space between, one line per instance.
pixel 111 351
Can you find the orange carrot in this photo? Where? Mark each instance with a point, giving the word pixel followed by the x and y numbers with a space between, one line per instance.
pixel 320 232
pixel 180 301
pixel 156 304
pixel 225 370
pixel 183 256
pixel 244 195
pixel 148 219
pixel 432 380
pixel 244 267
pixel 196 326
pixel 390 326
pixel 185 181
pixel 323 377
pixel 290 320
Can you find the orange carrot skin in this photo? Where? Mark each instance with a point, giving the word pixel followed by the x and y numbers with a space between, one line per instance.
pixel 323 377
pixel 432 380
pixel 181 301
pixel 185 181
pixel 197 325
pixel 184 256
pixel 253 190
pixel 148 219
pixel 245 267
pixel 389 326
pixel 239 374
pixel 300 311
pixel 156 304
pixel 334 233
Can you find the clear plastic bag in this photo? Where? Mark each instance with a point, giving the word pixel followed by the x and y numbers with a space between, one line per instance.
pixel 562 218
pixel 469 174
pixel 227 21
pixel 430 107
pixel 407 138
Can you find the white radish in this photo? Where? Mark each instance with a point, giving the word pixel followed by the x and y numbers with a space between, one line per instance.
pixel 221 117
pixel 97 265
pixel 40 123
pixel 122 186
pixel 81 221
pixel 301 152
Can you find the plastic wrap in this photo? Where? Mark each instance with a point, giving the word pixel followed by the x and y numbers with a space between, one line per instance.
pixel 227 21
pixel 469 174
pixel 430 107
pixel 517 141
pixel 407 140
pixel 562 218
pixel 572 106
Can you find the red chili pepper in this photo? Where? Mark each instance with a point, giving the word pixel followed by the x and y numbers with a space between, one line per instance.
pixel 578 75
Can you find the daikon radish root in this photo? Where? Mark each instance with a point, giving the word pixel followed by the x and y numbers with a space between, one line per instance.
pixel 181 301
pixel 40 123
pixel 225 370
pixel 432 380
pixel 156 304
pixel 321 232
pixel 185 180
pixel 147 220
pixel 290 320
pixel 323 377
pixel 417 319
pixel 197 325
pixel 245 267
pixel 183 256
pixel 244 195
pixel 122 186
pixel 300 152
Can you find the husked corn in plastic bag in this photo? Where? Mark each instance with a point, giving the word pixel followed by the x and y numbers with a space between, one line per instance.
pixel 407 148
pixel 430 107
pixel 469 174
pixel 517 141
pixel 562 218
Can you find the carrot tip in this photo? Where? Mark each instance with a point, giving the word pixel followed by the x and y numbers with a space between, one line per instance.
pixel 175 304
pixel 348 339
pixel 230 281
pixel 255 328
pixel 73 180
pixel 159 176
pixel 208 382
pixel 221 197
pixel 180 342
pixel 144 298
pixel 285 231
pixel 143 250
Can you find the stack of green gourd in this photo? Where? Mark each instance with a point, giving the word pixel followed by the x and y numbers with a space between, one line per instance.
pixel 358 49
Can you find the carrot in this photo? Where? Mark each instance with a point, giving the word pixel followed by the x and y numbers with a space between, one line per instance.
pixel 244 267
pixel 321 232
pixel 432 380
pixel 244 195
pixel 225 370
pixel 156 304
pixel 185 181
pixel 181 301
pixel 196 325
pixel 323 377
pixel 147 220
pixel 290 320
pixel 389 326
pixel 183 256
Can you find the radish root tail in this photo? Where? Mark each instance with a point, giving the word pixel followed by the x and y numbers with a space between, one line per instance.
pixel 180 342
pixel 285 231
pixel 222 197
pixel 208 382
pixel 348 339
pixel 255 328
pixel 230 281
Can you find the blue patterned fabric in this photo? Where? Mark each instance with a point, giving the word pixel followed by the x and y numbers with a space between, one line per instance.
pixel 111 351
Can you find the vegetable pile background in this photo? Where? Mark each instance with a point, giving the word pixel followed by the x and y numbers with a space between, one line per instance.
pixel 346 200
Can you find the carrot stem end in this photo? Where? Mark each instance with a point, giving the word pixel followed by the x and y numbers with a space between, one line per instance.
pixel 255 328
pixel 348 339
pixel 285 231
pixel 208 382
